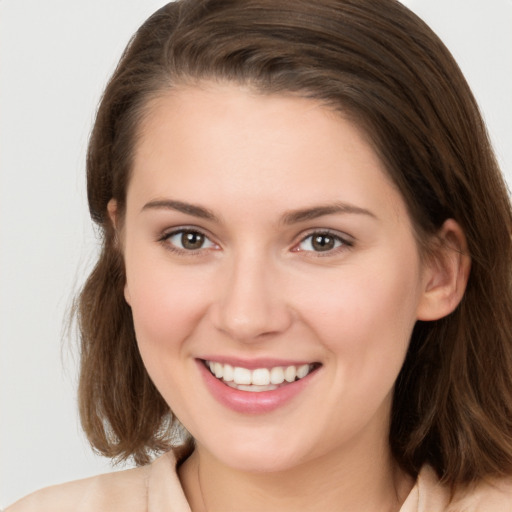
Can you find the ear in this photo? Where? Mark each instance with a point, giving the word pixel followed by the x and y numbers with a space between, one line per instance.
pixel 114 218
pixel 112 213
pixel 446 273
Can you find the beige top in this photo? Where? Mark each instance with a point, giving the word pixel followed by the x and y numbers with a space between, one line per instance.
pixel 156 488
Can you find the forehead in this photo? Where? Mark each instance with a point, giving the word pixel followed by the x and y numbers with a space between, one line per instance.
pixel 232 141
pixel 231 113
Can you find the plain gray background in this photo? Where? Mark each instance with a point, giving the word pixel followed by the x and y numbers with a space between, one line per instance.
pixel 55 57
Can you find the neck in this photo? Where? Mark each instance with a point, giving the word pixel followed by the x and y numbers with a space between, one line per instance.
pixel 342 482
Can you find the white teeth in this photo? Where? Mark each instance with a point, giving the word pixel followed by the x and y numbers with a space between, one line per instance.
pixel 302 371
pixel 252 388
pixel 263 379
pixel 228 373
pixel 277 375
pixel 290 373
pixel 218 370
pixel 242 375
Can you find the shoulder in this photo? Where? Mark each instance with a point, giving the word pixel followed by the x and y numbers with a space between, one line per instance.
pixel 124 491
pixel 491 495
pixel 155 487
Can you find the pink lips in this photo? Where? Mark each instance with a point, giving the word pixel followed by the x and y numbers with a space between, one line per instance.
pixel 247 402
pixel 252 364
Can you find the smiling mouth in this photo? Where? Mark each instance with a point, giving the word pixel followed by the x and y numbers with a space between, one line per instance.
pixel 259 379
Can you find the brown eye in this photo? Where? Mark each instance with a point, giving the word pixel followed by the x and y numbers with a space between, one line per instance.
pixel 192 240
pixel 188 240
pixel 323 242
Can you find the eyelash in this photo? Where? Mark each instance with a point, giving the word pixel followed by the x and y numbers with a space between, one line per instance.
pixel 165 239
pixel 342 242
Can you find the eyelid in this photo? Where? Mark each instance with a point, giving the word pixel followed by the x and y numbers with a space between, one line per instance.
pixel 164 237
pixel 346 240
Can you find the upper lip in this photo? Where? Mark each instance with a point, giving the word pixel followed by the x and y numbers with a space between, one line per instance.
pixel 253 364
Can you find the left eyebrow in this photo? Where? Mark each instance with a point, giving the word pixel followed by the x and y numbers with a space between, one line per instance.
pixel 295 216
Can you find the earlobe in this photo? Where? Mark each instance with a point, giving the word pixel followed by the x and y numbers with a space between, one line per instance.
pixel 446 273
pixel 127 297
pixel 114 218
pixel 112 212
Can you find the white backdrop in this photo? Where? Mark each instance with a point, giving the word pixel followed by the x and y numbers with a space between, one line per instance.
pixel 55 57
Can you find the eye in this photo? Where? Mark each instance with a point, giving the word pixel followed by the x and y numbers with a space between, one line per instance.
pixel 322 242
pixel 188 240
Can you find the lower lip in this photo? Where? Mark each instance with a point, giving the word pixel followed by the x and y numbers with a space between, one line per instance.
pixel 252 402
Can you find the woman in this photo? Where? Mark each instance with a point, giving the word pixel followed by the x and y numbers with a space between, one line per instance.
pixel 306 263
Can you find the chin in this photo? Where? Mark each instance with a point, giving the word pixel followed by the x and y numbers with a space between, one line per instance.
pixel 259 454
pixel 262 462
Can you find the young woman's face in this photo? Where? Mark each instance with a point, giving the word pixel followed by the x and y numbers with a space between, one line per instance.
pixel 263 236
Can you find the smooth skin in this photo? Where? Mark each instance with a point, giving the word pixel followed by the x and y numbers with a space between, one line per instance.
pixel 265 226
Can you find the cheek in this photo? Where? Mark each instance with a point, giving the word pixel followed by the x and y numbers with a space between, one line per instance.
pixel 365 316
pixel 166 303
pixel 166 307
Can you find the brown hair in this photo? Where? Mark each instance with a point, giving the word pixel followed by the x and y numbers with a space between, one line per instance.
pixel 378 63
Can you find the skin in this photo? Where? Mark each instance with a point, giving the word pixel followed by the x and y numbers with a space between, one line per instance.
pixel 258 288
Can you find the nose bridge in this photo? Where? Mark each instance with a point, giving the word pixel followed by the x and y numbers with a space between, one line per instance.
pixel 250 303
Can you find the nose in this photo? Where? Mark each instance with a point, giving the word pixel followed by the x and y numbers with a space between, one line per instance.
pixel 251 304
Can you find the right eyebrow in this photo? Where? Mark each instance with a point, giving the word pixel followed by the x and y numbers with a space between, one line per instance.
pixel 180 206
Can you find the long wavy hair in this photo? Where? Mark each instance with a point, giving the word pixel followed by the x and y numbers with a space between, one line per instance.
pixel 378 63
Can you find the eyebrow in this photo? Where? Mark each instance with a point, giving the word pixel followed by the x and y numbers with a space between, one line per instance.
pixel 295 216
pixel 290 217
pixel 180 206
